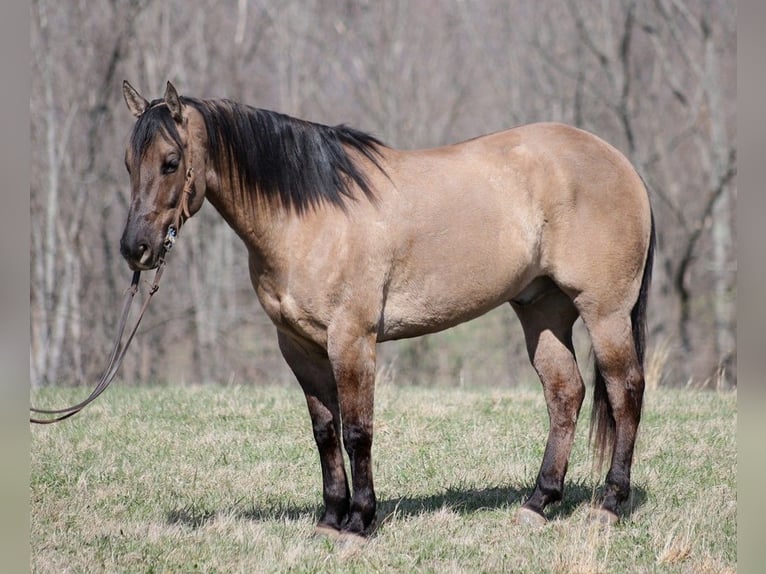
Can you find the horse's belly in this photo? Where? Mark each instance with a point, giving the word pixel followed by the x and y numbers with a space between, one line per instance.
pixel 398 326
pixel 436 304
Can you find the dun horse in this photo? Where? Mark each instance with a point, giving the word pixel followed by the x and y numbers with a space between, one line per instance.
pixel 352 243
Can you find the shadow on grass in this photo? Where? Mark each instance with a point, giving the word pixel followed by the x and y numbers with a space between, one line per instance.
pixel 460 500
pixel 466 501
pixel 192 515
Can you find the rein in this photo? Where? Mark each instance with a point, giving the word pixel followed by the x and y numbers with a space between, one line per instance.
pixel 119 351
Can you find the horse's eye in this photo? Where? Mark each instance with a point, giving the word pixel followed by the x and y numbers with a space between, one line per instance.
pixel 170 166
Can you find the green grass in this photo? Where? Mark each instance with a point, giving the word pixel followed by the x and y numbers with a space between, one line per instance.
pixel 227 479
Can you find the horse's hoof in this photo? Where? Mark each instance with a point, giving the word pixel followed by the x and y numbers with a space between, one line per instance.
pixel 528 517
pixel 350 540
pixel 603 517
pixel 322 530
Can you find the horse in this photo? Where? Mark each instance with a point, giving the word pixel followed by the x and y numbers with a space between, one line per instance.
pixel 351 243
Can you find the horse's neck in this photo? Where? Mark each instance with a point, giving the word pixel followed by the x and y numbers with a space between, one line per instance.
pixel 260 226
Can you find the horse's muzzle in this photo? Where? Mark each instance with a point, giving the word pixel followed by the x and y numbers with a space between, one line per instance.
pixel 140 258
pixel 140 253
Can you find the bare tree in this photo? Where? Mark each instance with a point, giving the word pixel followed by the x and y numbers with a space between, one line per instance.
pixel 651 76
pixel 61 255
pixel 654 78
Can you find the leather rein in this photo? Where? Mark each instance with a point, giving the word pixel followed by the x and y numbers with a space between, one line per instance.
pixel 118 350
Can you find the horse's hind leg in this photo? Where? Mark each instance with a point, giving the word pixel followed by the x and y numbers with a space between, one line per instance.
pixel 618 396
pixel 314 373
pixel 547 326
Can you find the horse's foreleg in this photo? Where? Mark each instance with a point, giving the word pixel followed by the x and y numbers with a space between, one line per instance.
pixel 353 361
pixel 315 376
pixel 325 422
pixel 548 331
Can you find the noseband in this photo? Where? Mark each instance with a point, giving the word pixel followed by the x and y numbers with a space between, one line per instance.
pixel 118 351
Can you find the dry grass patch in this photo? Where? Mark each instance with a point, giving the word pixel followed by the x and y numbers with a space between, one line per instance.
pixel 218 479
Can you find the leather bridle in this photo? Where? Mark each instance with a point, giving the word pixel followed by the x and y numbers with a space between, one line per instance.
pixel 118 351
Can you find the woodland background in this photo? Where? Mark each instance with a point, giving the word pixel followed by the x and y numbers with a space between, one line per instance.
pixel 656 78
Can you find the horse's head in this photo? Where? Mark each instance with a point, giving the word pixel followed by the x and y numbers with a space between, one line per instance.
pixel 166 159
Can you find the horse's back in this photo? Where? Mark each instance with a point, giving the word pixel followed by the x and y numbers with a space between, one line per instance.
pixel 473 224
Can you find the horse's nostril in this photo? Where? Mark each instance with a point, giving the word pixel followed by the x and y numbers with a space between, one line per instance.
pixel 144 253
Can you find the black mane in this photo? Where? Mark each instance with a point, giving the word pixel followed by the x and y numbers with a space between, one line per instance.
pixel 301 163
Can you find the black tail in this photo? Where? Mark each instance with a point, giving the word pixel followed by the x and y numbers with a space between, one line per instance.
pixel 602 424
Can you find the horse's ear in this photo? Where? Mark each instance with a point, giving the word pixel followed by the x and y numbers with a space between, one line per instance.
pixel 173 102
pixel 137 104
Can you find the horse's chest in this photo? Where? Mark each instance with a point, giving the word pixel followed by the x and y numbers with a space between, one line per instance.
pixel 292 315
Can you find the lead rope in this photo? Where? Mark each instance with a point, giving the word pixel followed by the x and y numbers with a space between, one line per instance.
pixel 118 351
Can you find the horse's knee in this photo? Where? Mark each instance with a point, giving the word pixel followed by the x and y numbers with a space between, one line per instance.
pixel 324 425
pixel 324 433
pixel 357 438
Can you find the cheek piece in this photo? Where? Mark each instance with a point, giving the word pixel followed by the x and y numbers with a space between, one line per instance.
pixel 182 212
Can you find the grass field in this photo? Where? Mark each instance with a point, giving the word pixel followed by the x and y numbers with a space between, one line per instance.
pixel 227 479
